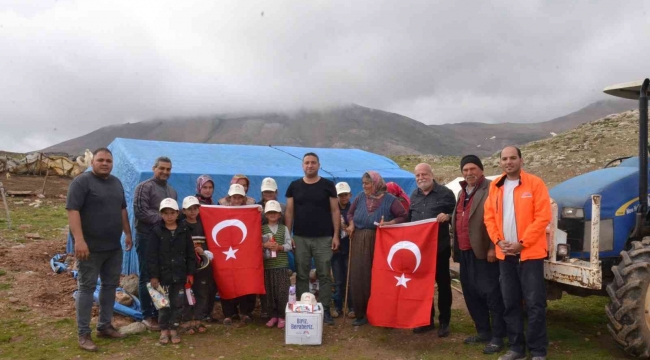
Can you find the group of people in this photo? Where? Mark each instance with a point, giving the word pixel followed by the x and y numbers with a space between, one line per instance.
pixel 495 230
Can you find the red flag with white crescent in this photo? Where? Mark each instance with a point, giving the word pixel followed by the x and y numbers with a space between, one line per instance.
pixel 234 236
pixel 403 275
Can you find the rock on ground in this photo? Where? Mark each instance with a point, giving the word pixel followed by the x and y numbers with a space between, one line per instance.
pixel 130 284
pixel 133 328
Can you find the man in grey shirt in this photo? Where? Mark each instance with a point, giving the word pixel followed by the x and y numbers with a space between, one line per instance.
pixel 146 200
pixel 97 217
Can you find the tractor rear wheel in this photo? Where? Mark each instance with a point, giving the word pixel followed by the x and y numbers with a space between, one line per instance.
pixel 629 307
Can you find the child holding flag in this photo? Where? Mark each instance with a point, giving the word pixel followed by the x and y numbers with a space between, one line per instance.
pixel 276 243
pixel 246 303
pixel 171 263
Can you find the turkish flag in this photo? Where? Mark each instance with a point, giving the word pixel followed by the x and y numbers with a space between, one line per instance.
pixel 403 275
pixel 234 236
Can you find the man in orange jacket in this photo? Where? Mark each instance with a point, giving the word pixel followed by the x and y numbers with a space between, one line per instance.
pixel 517 211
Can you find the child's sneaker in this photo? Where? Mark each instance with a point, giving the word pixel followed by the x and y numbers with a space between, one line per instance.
pixel 281 323
pixel 271 323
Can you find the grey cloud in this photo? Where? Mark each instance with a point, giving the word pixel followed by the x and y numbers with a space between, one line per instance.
pixel 76 66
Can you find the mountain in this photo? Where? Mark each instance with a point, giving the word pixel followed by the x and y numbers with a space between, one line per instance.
pixel 489 138
pixel 585 148
pixel 349 126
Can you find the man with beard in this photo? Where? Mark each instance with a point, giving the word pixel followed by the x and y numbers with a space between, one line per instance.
pixel 97 217
pixel 517 212
pixel 432 200
pixel 314 216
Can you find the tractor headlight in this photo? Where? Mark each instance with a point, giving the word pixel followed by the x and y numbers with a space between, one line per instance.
pixel 563 251
pixel 573 213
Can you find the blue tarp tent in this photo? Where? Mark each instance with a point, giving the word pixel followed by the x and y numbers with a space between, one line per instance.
pixel 134 159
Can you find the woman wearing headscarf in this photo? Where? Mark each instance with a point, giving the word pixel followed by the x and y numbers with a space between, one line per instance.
pixel 373 205
pixel 204 189
pixel 243 181
pixel 399 193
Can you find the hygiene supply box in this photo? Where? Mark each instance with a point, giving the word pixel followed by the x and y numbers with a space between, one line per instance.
pixel 304 328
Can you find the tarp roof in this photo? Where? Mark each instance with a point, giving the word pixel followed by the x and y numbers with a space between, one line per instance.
pixel 134 159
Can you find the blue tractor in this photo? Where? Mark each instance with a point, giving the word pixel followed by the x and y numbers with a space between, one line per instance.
pixel 598 242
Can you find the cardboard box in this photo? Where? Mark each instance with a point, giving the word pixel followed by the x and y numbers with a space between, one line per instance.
pixel 304 328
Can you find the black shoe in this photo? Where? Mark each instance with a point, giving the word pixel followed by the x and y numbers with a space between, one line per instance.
pixel 476 339
pixel 424 329
pixel 327 318
pixel 360 322
pixel 492 348
pixel 443 331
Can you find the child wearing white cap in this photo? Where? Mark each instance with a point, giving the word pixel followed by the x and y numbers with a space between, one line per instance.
pixel 204 284
pixel 276 243
pixel 244 304
pixel 171 263
pixel 269 190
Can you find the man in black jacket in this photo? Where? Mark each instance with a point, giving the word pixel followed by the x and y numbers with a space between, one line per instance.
pixel 147 198
pixel 431 200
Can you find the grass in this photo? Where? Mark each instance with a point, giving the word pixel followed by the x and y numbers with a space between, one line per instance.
pixel 48 220
pixel 576 328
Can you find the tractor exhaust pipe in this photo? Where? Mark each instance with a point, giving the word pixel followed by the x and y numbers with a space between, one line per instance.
pixel 643 161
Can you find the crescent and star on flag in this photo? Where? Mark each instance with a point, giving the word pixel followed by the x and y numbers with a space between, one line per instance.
pixel 230 254
pixel 404 245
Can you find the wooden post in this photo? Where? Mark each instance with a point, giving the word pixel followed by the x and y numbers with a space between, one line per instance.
pixel 4 200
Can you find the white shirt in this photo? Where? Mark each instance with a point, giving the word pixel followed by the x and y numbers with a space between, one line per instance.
pixel 509 221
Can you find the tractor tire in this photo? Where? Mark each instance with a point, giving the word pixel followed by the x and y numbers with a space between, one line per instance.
pixel 629 307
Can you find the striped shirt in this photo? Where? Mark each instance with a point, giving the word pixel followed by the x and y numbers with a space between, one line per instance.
pixel 282 237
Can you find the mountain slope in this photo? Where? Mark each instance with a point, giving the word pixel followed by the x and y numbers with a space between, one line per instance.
pixel 349 126
pixel 346 127
pixel 518 134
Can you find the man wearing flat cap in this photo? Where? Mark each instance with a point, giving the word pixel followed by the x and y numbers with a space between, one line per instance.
pixel 479 269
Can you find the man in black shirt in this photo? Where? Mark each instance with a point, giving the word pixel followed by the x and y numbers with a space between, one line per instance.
pixel 431 200
pixel 97 217
pixel 313 214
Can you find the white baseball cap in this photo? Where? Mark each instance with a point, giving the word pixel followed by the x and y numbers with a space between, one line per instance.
pixel 272 205
pixel 308 298
pixel 236 189
pixel 268 184
pixel 168 203
pixel 190 201
pixel 342 188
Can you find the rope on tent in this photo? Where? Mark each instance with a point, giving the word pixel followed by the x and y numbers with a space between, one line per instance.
pixel 330 174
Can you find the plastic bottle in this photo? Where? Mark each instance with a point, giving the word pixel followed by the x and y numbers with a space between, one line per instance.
pixel 191 300
pixel 292 294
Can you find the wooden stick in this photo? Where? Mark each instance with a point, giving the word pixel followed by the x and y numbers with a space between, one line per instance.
pixel 347 283
pixel 45 181
pixel 4 200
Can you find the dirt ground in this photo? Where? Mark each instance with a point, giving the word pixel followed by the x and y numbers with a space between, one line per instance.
pixel 55 186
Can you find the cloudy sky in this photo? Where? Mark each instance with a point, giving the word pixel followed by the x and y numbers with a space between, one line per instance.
pixel 69 67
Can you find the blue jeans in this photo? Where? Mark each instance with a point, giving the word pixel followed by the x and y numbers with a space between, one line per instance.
pixel 106 265
pixel 524 281
pixel 340 271
pixel 148 310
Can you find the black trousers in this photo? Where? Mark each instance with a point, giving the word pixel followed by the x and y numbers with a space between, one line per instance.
pixel 480 282
pixel 202 287
pixel 169 317
pixel 443 284
pixel 524 280
pixel 246 305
